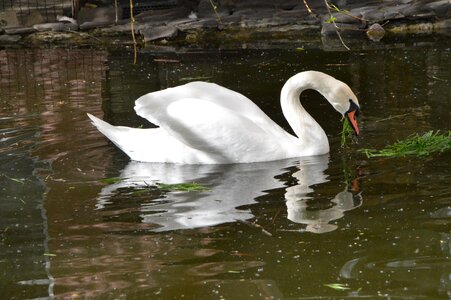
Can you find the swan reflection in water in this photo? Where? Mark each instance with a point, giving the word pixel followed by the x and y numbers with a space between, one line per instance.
pixel 311 172
pixel 231 188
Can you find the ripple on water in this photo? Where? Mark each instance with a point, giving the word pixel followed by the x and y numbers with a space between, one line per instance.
pixel 409 267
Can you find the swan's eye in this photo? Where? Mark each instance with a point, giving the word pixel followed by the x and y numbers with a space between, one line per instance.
pixel 353 107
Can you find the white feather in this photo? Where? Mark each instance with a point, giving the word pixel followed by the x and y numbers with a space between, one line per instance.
pixel 204 123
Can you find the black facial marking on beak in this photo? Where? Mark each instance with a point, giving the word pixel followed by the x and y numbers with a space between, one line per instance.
pixel 352 114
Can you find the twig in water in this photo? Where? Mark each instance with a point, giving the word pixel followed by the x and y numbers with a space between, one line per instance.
pixel 276 215
pixel 132 27
pixel 345 12
pixel 255 225
pixel 21 181
pixel 215 9
pixel 335 25
pixel 115 10
pixel 309 9
pixel 392 117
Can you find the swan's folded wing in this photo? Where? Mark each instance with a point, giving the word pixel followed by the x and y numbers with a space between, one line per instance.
pixel 151 105
pixel 220 132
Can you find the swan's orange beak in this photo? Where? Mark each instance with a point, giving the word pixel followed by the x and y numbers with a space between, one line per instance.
pixel 352 117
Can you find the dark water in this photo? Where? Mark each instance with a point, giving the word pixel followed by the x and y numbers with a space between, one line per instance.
pixel 334 226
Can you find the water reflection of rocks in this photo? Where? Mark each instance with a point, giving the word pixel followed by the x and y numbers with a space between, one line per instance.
pixel 232 188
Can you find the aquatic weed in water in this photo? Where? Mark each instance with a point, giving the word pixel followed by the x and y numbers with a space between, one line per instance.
pixel 415 145
pixel 185 187
pixel 346 131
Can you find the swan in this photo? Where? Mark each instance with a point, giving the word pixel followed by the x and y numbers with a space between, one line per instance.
pixel 204 123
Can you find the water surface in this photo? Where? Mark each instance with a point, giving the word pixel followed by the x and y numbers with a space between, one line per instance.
pixel 338 225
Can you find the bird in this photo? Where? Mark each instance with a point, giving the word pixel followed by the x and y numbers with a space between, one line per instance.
pixel 205 123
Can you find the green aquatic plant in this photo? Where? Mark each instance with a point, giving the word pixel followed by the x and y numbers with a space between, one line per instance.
pixel 111 180
pixel 176 187
pixel 185 187
pixel 346 131
pixel 415 145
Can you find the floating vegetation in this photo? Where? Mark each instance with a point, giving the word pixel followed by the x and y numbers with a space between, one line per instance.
pixel 185 187
pixel 111 180
pixel 255 225
pixel 337 286
pixel 415 145
pixel 21 181
pixel 49 254
pixel 140 192
pixel 177 187
pixel 346 131
pixel 197 78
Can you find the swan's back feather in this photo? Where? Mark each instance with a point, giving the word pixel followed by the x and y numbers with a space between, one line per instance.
pixel 216 121
pixel 152 106
pixel 199 124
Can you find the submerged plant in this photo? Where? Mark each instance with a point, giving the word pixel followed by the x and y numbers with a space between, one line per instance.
pixel 416 145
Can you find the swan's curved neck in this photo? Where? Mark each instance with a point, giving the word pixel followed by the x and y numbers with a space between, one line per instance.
pixel 306 128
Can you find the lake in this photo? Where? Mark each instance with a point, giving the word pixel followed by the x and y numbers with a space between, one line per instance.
pixel 334 226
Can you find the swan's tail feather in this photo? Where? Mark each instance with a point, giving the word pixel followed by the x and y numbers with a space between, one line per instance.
pixel 113 133
pixel 150 145
pixel 97 122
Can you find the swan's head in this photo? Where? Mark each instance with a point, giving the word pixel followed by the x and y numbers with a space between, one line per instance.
pixel 346 103
pixel 338 93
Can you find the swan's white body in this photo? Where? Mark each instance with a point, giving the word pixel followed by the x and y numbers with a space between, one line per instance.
pixel 204 123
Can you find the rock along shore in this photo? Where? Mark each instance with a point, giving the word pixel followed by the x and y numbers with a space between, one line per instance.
pixel 201 23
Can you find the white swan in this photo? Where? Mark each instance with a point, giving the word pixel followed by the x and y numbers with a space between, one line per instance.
pixel 204 123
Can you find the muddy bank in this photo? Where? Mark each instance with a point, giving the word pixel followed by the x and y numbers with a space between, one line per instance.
pixel 198 22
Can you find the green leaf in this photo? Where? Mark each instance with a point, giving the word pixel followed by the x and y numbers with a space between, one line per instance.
pixel 331 19
pixel 334 7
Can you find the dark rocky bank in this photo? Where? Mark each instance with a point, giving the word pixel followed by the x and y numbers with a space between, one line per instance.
pixel 206 22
